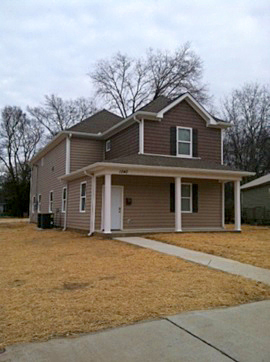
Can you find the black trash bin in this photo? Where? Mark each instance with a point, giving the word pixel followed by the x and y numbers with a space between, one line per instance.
pixel 39 220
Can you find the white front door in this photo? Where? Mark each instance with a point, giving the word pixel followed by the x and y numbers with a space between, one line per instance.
pixel 117 201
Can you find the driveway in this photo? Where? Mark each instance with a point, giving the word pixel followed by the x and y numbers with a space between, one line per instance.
pixel 230 334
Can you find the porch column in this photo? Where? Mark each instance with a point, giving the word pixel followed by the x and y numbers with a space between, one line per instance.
pixel 107 204
pixel 237 206
pixel 178 216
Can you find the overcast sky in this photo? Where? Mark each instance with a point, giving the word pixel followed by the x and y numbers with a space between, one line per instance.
pixel 49 46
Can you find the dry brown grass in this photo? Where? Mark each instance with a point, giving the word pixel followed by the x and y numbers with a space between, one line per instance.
pixel 56 283
pixel 252 246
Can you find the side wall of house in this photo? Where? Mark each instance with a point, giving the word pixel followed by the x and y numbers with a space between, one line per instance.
pixel 150 206
pixel 45 179
pixel 75 218
pixel 124 143
pixel 256 197
pixel 83 152
pixel 157 134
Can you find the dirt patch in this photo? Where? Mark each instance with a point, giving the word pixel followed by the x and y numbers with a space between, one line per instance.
pixel 64 283
pixel 251 246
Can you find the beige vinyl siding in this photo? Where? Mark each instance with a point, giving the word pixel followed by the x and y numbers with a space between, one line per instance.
pixel 150 206
pixel 83 152
pixel 124 143
pixel 157 134
pixel 45 179
pixel 75 218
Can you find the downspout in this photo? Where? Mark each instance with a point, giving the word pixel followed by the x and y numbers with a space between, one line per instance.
pixel 65 217
pixel 93 203
pixel 141 134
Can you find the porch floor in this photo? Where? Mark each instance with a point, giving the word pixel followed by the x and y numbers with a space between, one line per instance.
pixel 136 232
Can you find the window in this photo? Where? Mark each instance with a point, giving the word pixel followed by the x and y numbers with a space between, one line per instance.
pixel 39 203
pixel 34 204
pixel 51 201
pixel 64 199
pixel 189 198
pixel 186 197
pixel 82 196
pixel 108 145
pixel 184 142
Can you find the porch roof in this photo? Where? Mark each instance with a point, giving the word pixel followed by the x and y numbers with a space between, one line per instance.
pixel 169 166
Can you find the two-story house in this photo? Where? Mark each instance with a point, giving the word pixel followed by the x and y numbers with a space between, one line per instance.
pixel 160 169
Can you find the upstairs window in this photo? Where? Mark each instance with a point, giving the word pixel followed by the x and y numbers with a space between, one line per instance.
pixel 33 204
pixel 39 203
pixel 83 197
pixel 64 199
pixel 184 142
pixel 108 145
pixel 51 201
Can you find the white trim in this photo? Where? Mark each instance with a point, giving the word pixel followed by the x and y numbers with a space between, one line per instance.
pixel 188 142
pixel 237 206
pixel 178 202
pixel 222 140
pixel 67 155
pixel 66 213
pixel 93 205
pixel 82 197
pixel 172 156
pixel 190 198
pixel 39 203
pixel 64 203
pixel 51 201
pixel 107 203
pixel 141 137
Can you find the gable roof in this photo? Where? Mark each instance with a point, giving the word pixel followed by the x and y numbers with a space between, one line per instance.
pixel 98 122
pixel 259 181
pixel 156 105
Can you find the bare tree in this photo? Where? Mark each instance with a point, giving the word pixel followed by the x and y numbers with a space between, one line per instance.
pixel 247 142
pixel 126 83
pixel 19 139
pixel 56 114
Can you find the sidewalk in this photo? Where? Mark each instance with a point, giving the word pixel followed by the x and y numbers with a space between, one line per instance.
pixel 212 261
pixel 239 333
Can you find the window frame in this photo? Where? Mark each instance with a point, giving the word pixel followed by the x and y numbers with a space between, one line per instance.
pixel 64 200
pixel 108 146
pixel 39 203
pixel 185 197
pixel 186 142
pixel 82 197
pixel 51 201
pixel 33 204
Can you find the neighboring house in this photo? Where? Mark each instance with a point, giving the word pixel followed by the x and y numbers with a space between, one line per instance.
pixel 160 169
pixel 256 201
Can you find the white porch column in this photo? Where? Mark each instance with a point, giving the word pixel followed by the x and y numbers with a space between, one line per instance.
pixel 178 216
pixel 223 204
pixel 237 206
pixel 107 204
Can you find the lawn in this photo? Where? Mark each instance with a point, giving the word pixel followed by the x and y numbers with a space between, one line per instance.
pixel 251 246
pixel 55 283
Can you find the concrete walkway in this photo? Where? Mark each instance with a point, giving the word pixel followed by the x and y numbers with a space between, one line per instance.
pixel 212 261
pixel 229 334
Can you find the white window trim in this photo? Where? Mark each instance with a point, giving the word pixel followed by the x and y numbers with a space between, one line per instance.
pixel 39 203
pixel 51 202
pixel 188 142
pixel 184 197
pixel 33 204
pixel 81 197
pixel 108 145
pixel 64 209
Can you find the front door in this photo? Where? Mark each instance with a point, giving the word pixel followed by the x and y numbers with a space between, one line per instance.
pixel 117 201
